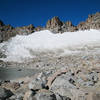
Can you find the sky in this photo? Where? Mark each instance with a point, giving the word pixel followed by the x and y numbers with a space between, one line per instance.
pixel 37 12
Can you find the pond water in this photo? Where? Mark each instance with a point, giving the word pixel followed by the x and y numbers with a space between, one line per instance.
pixel 14 73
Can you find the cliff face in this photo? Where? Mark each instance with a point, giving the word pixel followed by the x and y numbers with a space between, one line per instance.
pixel 55 25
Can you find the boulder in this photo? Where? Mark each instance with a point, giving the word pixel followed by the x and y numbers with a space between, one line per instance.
pixel 4 94
pixel 17 96
pixel 38 83
pixel 45 95
pixel 29 95
pixel 40 95
pixel 62 85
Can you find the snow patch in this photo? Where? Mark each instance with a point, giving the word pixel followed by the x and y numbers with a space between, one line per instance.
pixel 20 47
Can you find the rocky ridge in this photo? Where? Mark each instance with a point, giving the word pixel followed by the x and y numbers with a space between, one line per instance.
pixel 92 22
pixel 55 25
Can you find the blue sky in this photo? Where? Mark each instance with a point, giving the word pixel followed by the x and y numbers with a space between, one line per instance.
pixel 37 12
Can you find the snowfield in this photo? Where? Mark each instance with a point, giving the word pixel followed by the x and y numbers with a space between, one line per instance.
pixel 19 47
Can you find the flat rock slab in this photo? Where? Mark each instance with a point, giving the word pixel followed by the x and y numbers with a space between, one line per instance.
pixel 15 73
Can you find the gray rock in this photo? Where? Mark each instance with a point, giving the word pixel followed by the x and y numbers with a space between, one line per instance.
pixel 4 93
pixel 45 95
pixel 62 85
pixel 88 79
pixel 38 83
pixel 16 97
pixel 93 76
pixel 40 95
pixel 29 95
pixel 59 97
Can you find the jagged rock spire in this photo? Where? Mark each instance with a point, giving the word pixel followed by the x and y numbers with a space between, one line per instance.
pixel 57 26
pixel 54 22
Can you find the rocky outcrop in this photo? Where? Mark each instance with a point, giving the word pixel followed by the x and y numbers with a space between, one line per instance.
pixel 70 27
pixel 7 31
pixel 57 26
pixel 25 30
pixel 38 83
pixel 54 25
pixel 4 94
pixel 92 22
